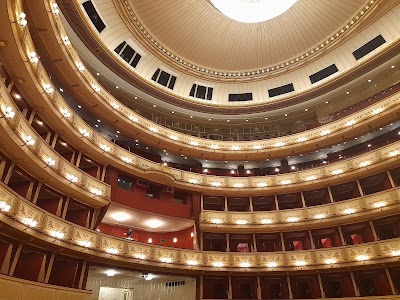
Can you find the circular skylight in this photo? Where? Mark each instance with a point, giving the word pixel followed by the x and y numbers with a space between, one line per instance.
pixel 252 11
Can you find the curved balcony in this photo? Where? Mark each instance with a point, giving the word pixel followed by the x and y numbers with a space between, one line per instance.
pixel 24 217
pixel 354 210
pixel 103 102
pixel 23 145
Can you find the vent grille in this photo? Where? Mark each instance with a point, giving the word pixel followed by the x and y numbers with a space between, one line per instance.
pixel 240 97
pixel 369 47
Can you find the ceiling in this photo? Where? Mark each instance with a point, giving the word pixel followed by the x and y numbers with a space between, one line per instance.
pixel 196 31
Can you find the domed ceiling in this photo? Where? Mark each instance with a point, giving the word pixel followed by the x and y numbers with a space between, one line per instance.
pixel 198 32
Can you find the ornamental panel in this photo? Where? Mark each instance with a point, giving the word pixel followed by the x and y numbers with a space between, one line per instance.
pixel 55 227
pixel 139 251
pixel 84 237
pixel 390 248
pixel 217 259
pixel 29 215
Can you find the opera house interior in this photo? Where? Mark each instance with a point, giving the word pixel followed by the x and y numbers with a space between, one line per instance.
pixel 199 149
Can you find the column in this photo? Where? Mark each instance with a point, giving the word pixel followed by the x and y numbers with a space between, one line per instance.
pixel 357 291
pixel 289 287
pixel 321 286
pixel 330 194
pixel 302 199
pixel 360 188
pixel 373 230
pixel 259 294
pixel 391 179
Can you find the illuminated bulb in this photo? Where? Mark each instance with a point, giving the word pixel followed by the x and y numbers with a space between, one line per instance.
pixel 302 139
pixel 153 129
pixel 194 143
pixel 244 265
pixel 351 123
pixel 261 184
pixel 29 140
pixel 120 216
pixel 33 57
pixel 72 178
pixel 48 88
pixel 150 240
pixel 235 148
pixel 96 88
pixel 257 147
pixel 349 211
pixel 292 219
pixel 293 168
pixel 216 184
pixel 54 9
pixel 248 172
pixel 193 181
pixel 266 221
pixel 320 216
pixel 80 67
pixel 50 161
pixel 241 222
pixel 97 192
pixel 4 206
pixel 112 251
pixel 377 111
pixel 362 257
pixel 286 182
pixel 133 119
pixel 154 223
pixel 111 273
pixel 218 264
pixel 272 264
pixel 29 222
pixel 214 146
pixel 173 137
pixel 300 263
pixel 365 163
pixel 394 153
pixel 114 105
pixel 57 234
pixel 325 132
pixel 205 170
pixel 311 178
pixel 8 113
pixel 128 160
pixel 191 234
pixel 396 253
pixel 192 263
pixel 216 221
pixel 166 260
pixel 379 204
pixel 175 240
pixel 238 185
pixel 105 148
pixel 232 171
pixel 84 243
pixel 140 256
pixel 84 132
pixel 337 171
pixel 330 261
pixel 276 169
pixel 280 144
pixel 65 112
pixel 148 277
pixel 66 40
pixel 22 21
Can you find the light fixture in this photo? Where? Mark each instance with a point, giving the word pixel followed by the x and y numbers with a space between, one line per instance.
pixel 330 261
pixel 311 178
pixel 126 159
pixel 241 222
pixel 114 105
pixel 133 119
pixel 48 88
pixel 140 256
pixel 362 257
pixel 80 67
pixel 173 137
pixel 192 262
pixel 120 216
pixel 235 148
pixel 111 273
pixel 238 185
pixel 320 216
pixel 232 172
pixel 84 132
pixel 194 143
pixel 57 234
pixel 286 182
pixel 72 178
pixel 214 147
pixel 65 112
pixel 205 171
pixel 50 161
pixel 279 144
pixel 84 243
pixel 148 277
pixel 337 171
pixel 349 211
pixel 244 265
pixel 96 191
pixel 9 113
pixel 351 123
pixel 218 264
pixel 216 184
pixel 193 181
pixel 29 140
pixel 302 139
pixel 325 132
pixel 272 264
pixel 216 221
pixel 105 148
pixel 54 8
pixel 257 147
pixel 365 163
pixel 112 251
pixel 293 168
pixel 300 263
pixel 66 40
pixel 154 223
pixel 166 260
pixel 379 204
pixel 394 153
pixel 261 184
pixel 4 206
pixel 396 252
pixel 377 111
pixel 292 219
pixel 175 240
pixel 33 57
pixel 150 240
pixel 29 222
pixel 191 234
pixel 96 88
pixel 266 221
pixel 248 172
pixel 153 129
pixel 22 19
pixel 276 169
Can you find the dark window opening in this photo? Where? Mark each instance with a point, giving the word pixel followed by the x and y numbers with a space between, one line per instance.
pixel 369 47
pixel 284 89
pixel 94 16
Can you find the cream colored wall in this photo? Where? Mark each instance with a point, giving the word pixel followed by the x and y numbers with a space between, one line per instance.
pixel 109 293
pixel 17 289
pixel 158 291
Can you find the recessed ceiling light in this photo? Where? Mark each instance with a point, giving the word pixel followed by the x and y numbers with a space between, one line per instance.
pixel 392 67
pixel 347 93
pixel 120 216
pixel 173 112
pixel 96 125
pixel 369 80
pixel 306 109
pixel 326 102
pixel 228 120
pixel 286 115
pixel 79 106
pixel 98 120
pixel 154 223
pixel 17 96
pixel 97 74
pixel 247 120
pixel 117 87
pixel 111 273
pixel 154 105
pixel 118 131
pixel 209 119
pixel 191 117
pixel 266 118
pixel 135 97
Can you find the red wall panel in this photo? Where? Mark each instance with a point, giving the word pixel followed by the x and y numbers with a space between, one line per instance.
pixel 28 266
